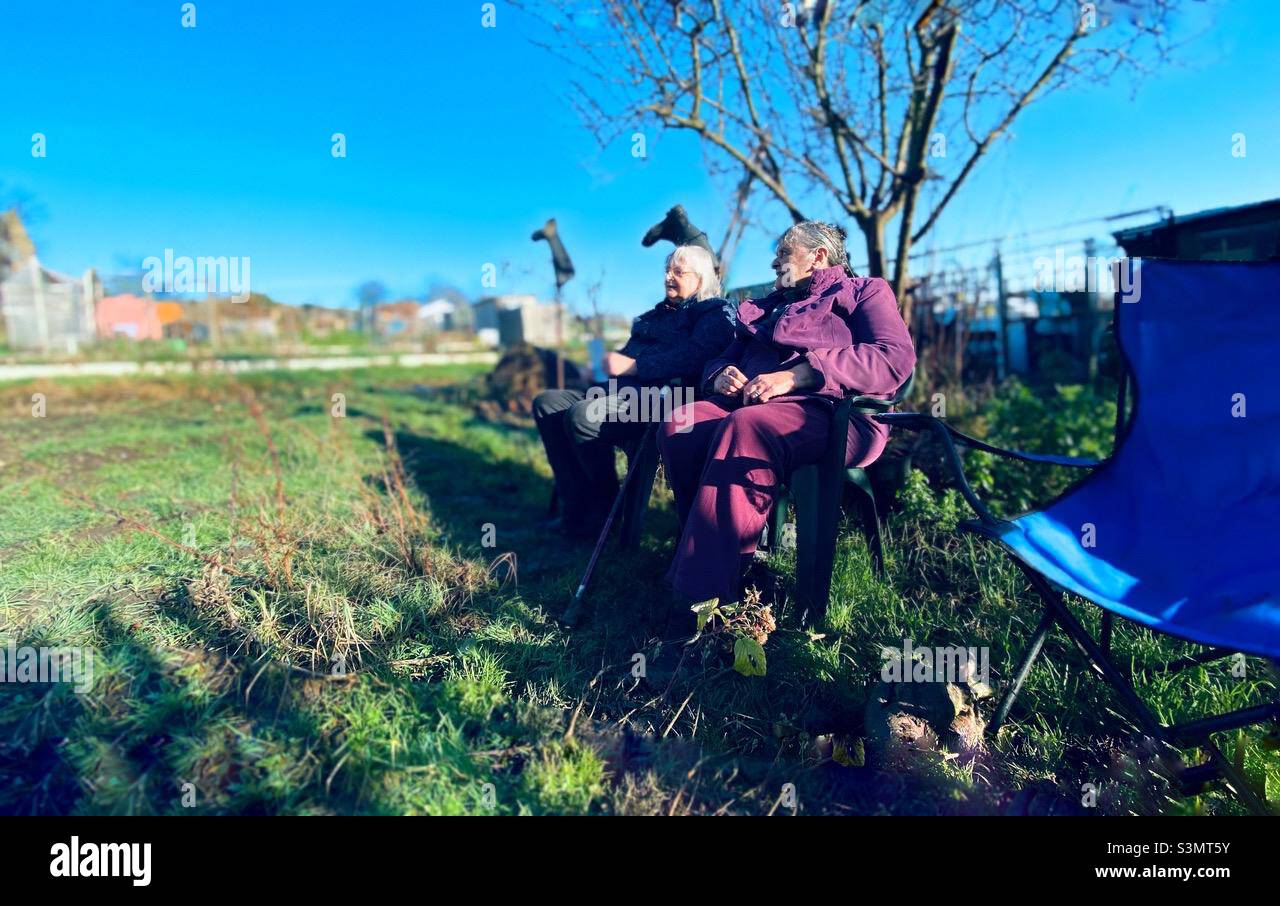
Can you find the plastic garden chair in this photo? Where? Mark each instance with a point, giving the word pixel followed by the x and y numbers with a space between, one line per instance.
pixel 636 502
pixel 1176 530
pixel 816 492
pixel 817 520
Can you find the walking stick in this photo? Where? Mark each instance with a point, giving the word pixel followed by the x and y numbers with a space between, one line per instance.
pixel 574 613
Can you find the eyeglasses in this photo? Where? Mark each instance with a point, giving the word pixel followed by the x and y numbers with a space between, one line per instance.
pixel 678 272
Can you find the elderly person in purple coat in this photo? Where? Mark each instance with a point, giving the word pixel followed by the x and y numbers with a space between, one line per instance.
pixel 822 334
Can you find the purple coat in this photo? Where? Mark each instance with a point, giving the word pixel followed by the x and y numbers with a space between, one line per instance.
pixel 847 328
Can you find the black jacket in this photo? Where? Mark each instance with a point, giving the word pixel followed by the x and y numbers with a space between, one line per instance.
pixel 675 340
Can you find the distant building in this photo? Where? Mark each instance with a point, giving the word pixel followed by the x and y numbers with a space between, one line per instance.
pixel 1248 232
pixel 46 310
pixel 16 247
pixel 509 320
pixel 410 318
pixel 398 320
pixel 319 321
pixel 135 317
pixel 258 317
pixel 484 311
pixel 439 314
pixel 190 324
pixel 219 321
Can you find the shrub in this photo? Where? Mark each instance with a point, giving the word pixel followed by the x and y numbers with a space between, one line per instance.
pixel 1072 420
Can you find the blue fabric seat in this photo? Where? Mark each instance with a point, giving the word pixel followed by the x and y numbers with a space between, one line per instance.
pixel 1184 518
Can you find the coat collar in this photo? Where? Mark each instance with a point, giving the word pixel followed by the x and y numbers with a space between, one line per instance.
pixel 691 304
pixel 825 278
pixel 751 310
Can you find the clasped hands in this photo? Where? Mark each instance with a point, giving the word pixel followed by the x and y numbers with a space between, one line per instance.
pixel 764 387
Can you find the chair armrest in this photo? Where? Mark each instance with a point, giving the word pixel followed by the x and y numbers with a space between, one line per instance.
pixel 833 463
pixel 919 421
pixel 870 402
pixel 838 442
pixel 874 404
pixel 949 436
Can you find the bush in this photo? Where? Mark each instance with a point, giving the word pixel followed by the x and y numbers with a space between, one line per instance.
pixel 920 505
pixel 1071 420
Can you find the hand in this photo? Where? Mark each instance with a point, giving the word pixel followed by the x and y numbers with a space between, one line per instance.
pixel 731 380
pixel 616 364
pixel 766 386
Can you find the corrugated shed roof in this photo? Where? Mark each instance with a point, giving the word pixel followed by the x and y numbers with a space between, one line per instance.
pixel 1148 228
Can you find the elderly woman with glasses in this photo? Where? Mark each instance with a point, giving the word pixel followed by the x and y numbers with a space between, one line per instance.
pixel 821 334
pixel 672 341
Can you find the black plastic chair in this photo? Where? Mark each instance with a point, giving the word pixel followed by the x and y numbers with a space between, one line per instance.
pixel 636 502
pixel 816 492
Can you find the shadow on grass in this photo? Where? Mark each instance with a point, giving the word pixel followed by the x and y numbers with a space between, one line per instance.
pixel 194 689
pixel 728 725
pixel 178 730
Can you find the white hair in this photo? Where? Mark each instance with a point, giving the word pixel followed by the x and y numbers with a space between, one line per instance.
pixel 698 260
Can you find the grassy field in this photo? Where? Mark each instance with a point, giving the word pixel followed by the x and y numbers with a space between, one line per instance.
pixel 297 611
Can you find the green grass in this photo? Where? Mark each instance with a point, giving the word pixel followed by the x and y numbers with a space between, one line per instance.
pixel 334 637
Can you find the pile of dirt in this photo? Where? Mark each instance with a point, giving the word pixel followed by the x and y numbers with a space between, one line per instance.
pixel 905 720
pixel 522 373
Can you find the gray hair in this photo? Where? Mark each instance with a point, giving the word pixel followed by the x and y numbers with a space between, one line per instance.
pixel 814 234
pixel 700 261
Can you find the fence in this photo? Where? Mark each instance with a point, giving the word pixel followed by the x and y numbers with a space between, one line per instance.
pixel 1039 309
pixel 988 308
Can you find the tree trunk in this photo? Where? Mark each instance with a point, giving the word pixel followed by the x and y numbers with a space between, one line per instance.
pixel 873 233
pixel 899 281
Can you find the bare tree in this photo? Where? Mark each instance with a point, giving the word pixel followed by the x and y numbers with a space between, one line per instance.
pixel 848 108
pixel 368 295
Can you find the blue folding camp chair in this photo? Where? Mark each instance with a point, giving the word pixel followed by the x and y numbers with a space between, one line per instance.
pixel 1177 530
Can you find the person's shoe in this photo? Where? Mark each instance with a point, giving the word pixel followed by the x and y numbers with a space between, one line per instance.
pixel 578 529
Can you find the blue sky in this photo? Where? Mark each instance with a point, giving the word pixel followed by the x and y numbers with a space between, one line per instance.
pixel 216 141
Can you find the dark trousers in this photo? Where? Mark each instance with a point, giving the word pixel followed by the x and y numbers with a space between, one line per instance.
pixel 580 439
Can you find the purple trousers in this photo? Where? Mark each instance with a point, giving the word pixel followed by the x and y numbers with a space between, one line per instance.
pixel 725 469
